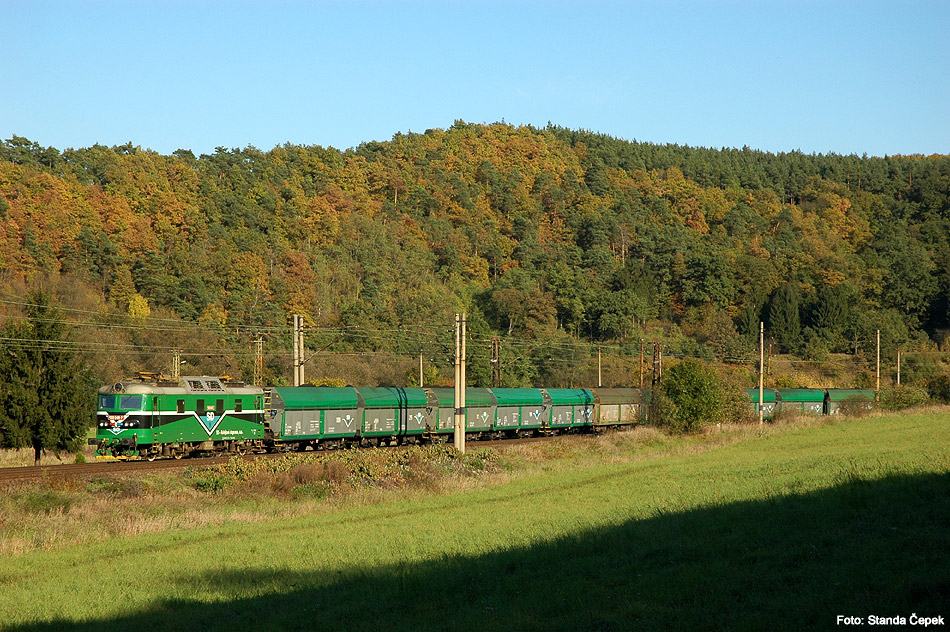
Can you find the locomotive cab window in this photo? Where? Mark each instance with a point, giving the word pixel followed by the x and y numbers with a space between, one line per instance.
pixel 238 406
pixel 106 402
pixel 130 402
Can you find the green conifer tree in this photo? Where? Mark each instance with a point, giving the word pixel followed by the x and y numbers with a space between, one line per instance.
pixel 48 394
pixel 785 320
pixel 832 315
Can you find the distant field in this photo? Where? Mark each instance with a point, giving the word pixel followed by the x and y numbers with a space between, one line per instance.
pixel 783 529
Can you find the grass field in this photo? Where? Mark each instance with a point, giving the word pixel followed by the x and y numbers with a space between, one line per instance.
pixel 781 529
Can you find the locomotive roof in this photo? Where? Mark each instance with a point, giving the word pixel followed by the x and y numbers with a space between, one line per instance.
pixel 196 384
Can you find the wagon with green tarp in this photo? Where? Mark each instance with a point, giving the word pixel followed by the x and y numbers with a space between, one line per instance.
pixel 444 408
pixel 616 406
pixel 479 407
pixel 769 401
pixel 848 400
pixel 393 412
pixel 570 407
pixel 312 413
pixel 807 401
pixel 518 408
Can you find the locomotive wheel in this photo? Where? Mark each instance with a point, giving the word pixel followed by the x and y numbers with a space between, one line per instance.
pixel 151 456
pixel 177 456
pixel 241 449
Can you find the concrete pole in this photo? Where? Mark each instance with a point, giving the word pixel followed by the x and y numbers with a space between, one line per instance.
pixel 656 363
pixel 258 361
pixel 641 362
pixel 599 372
pixel 459 431
pixel 761 371
pixel 296 351
pixel 420 369
pixel 877 386
pixel 303 352
pixel 898 367
pixel 463 377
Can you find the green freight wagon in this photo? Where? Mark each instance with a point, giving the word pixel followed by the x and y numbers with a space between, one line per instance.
pixel 479 409
pixel 518 408
pixel 306 415
pixel 150 416
pixel 806 401
pixel 310 416
pixel 390 412
pixel 769 401
pixel 443 399
pixel 570 407
pixel 618 406
pixel 848 400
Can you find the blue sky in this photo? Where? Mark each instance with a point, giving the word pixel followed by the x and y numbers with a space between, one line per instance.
pixel 827 76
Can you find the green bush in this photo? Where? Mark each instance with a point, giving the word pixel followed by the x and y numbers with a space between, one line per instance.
pixel 690 396
pixel 901 397
pixel 736 406
pixel 317 490
pixel 817 348
pixel 939 389
pixel 210 481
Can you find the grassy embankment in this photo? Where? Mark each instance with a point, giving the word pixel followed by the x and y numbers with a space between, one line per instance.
pixel 785 528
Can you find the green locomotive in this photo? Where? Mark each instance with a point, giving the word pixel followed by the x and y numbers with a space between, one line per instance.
pixel 152 416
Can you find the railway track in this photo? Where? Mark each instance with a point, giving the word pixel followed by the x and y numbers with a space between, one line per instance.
pixel 90 470
pixel 127 468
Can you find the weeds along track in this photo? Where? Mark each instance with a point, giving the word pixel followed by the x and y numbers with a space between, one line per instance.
pixel 125 468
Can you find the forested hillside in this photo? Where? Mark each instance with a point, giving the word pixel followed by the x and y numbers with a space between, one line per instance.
pixel 555 240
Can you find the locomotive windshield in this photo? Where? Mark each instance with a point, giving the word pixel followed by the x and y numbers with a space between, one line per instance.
pixel 130 402
pixel 120 402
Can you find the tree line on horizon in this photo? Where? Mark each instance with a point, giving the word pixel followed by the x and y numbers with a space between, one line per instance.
pixel 556 240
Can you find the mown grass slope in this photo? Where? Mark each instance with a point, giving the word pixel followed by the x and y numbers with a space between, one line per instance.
pixel 784 530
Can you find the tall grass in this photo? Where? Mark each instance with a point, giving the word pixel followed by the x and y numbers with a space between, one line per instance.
pixel 24 457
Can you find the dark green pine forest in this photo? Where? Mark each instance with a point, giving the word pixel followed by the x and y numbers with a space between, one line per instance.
pixel 558 242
